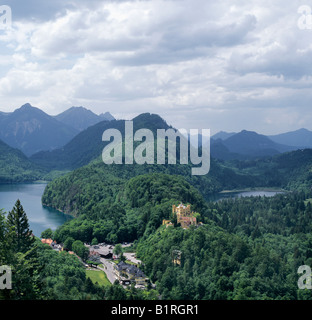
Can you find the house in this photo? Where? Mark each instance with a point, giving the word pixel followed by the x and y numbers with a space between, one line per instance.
pixel 129 273
pixel 47 241
pixel 93 259
pixel 167 223
pixel 52 244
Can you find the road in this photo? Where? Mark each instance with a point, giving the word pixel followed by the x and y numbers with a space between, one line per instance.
pixel 130 257
pixel 108 265
pixel 108 269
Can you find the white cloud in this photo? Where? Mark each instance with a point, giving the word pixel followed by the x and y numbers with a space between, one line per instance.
pixel 230 66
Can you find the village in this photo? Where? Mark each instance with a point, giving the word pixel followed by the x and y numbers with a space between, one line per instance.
pixel 122 266
pixel 102 257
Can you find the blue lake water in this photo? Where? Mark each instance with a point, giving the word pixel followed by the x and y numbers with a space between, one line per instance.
pixel 40 218
pixel 256 193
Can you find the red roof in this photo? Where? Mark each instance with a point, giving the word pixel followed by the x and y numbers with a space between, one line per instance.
pixel 47 241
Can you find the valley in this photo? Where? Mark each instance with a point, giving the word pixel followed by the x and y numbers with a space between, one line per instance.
pixel 244 245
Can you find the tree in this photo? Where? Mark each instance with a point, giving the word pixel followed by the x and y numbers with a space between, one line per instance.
pixel 79 248
pixel 68 243
pixel 3 242
pixel 47 234
pixel 118 249
pixel 18 223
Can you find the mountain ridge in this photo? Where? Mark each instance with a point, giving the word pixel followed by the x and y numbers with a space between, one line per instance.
pixel 16 167
pixel 81 118
pixel 31 130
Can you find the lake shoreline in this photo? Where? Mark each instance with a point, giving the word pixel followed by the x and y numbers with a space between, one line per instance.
pixel 40 217
pixel 267 189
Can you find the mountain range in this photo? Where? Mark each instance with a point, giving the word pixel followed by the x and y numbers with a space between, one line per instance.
pixel 88 144
pixel 31 130
pixel 249 144
pixel 72 137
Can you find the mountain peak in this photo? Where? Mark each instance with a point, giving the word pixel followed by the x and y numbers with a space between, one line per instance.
pixel 26 106
pixel 107 116
pixel 301 138
pixel 80 118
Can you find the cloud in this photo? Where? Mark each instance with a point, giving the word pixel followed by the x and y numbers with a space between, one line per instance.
pixel 230 65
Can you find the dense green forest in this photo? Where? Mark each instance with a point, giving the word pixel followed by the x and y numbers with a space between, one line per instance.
pixel 15 167
pixel 129 210
pixel 249 248
pixel 41 273
pixel 119 202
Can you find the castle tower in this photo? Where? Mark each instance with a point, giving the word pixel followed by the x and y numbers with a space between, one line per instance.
pixel 184 215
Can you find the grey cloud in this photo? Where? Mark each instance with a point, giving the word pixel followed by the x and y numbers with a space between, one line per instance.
pixel 185 42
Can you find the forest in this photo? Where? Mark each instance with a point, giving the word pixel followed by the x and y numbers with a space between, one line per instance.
pixel 249 248
pixel 40 273
pixel 246 248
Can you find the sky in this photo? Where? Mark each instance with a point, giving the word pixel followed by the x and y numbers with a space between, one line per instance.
pixel 200 64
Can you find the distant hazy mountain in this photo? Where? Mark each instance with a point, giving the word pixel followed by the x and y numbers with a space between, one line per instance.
pixel 106 116
pixel 219 151
pixel 246 144
pixel 223 135
pixel 301 138
pixel 81 118
pixel 31 130
pixel 254 144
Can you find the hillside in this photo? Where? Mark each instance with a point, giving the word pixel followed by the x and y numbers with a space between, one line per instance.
pixel 88 145
pixel 118 210
pixel 31 130
pixel 248 249
pixel 15 167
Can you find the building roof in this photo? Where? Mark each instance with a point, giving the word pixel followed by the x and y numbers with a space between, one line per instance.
pixel 47 241
pixel 130 269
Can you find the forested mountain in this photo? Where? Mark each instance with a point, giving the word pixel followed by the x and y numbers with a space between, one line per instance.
pixel 81 118
pixel 15 166
pixel 88 145
pixel 31 130
pixel 246 248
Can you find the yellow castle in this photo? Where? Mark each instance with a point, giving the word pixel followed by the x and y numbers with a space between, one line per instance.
pixel 184 215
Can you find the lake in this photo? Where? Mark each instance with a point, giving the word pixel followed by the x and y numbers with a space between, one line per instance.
pixel 40 218
pixel 238 194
